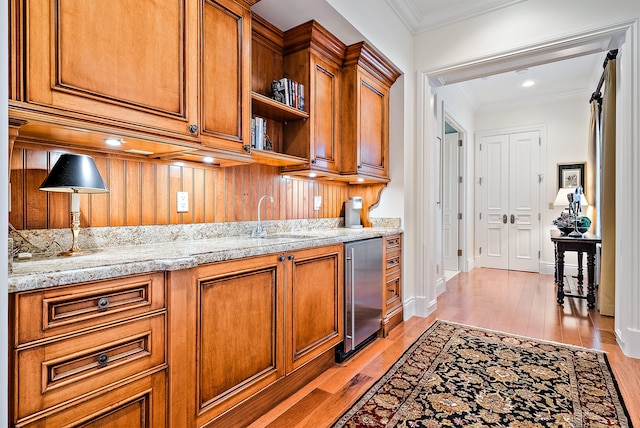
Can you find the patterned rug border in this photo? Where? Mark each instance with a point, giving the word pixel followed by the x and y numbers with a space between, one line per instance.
pixel 379 382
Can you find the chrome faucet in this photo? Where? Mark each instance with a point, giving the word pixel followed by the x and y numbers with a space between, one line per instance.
pixel 258 232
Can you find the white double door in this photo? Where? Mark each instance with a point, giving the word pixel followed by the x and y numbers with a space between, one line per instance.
pixel 510 201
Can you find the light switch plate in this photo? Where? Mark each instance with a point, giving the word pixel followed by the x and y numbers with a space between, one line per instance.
pixel 317 202
pixel 183 202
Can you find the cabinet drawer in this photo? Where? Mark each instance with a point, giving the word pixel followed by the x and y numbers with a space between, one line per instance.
pixel 137 404
pixel 393 262
pixel 393 289
pixel 50 312
pixel 52 373
pixel 393 242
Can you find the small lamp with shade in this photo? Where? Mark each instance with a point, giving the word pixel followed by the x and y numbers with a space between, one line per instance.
pixel 74 174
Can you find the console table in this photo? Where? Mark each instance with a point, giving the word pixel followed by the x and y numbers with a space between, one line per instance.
pixel 586 244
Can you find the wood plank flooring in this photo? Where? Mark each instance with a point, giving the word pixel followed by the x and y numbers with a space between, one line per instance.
pixel 515 302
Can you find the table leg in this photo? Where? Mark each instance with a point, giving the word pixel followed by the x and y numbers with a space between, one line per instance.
pixel 580 276
pixel 591 286
pixel 560 275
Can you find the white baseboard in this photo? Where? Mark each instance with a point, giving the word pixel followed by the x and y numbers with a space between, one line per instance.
pixel 441 286
pixel 418 306
pixel 470 264
pixel 631 346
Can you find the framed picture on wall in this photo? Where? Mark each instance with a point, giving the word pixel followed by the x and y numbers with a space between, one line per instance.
pixel 570 175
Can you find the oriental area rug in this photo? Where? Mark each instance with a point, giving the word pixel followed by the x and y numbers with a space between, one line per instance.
pixel 460 376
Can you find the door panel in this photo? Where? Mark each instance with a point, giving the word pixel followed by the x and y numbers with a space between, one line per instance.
pixel 510 225
pixel 495 187
pixel 450 202
pixel 524 200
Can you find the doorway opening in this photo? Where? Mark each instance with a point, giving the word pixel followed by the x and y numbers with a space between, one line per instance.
pixel 453 190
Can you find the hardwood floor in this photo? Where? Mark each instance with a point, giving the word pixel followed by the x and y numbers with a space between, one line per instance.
pixel 515 302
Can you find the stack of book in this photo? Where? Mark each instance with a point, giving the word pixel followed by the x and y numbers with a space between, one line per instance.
pixel 259 133
pixel 289 92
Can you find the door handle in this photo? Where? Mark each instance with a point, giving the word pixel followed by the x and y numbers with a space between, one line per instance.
pixel 504 218
pixel 513 219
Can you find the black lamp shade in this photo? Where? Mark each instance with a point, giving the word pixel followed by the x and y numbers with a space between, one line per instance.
pixel 74 174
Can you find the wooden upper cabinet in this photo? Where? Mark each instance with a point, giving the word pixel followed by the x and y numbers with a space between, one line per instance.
pixel 364 119
pixel 313 57
pixel 119 62
pixel 226 73
pixel 171 71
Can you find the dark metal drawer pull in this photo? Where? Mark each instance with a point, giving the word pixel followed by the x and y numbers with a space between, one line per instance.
pixel 103 303
pixel 103 359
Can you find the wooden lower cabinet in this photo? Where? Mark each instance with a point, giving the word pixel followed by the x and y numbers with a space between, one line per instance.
pixel 392 310
pixel 251 332
pixel 91 354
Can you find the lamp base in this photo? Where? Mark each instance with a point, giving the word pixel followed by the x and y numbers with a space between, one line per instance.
pixel 74 252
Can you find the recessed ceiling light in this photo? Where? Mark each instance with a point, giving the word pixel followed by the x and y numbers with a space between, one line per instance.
pixel 113 142
pixel 313 175
pixel 178 163
pixel 207 159
pixel 527 83
pixel 360 179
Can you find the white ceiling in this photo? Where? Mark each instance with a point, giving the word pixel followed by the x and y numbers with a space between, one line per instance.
pixel 559 72
pixel 575 77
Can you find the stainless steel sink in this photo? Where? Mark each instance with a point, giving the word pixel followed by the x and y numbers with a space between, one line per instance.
pixel 287 236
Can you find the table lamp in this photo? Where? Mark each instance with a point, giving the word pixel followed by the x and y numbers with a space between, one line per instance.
pixel 578 200
pixel 74 174
pixel 561 197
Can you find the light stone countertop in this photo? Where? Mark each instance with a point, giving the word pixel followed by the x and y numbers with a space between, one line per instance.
pixel 120 261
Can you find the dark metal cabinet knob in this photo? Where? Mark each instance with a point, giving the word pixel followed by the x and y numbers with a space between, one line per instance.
pixel 291 257
pixel 281 258
pixel 193 128
pixel 103 303
pixel 103 359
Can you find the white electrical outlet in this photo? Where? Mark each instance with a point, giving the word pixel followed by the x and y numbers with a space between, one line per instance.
pixel 317 202
pixel 183 202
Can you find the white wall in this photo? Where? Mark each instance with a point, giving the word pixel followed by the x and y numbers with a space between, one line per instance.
pixel 567 122
pixel 459 108
pixel 533 26
pixel 383 29
pixel 526 24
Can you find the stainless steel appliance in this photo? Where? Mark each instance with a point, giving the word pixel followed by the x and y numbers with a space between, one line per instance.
pixel 352 212
pixel 363 294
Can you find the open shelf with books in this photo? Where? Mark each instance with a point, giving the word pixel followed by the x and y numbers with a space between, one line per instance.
pixel 272 109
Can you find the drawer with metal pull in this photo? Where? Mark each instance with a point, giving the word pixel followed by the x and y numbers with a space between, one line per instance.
pixel 50 373
pixel 47 313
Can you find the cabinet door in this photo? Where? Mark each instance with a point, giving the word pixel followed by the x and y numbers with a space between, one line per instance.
pixel 325 84
pixel 122 63
pixel 315 306
pixel 239 334
pixel 373 142
pixel 364 124
pixel 226 78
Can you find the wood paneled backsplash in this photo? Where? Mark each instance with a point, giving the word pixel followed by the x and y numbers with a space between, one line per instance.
pixel 143 192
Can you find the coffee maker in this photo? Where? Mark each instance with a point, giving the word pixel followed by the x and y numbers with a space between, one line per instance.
pixel 352 212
